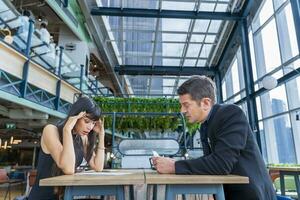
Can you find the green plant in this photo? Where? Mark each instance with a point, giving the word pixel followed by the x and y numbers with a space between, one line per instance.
pixel 143 105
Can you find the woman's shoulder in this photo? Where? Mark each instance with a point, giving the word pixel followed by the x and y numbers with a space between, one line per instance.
pixel 49 136
pixel 50 129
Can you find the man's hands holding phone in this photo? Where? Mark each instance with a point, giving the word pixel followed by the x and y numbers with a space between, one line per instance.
pixel 163 165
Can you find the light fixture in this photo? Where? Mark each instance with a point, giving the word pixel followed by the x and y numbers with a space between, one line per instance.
pixel 186 155
pixel 269 82
pixel 17 141
pixel 11 139
pixel 112 156
pixel 8 38
pixel 5 145
pixel 40 18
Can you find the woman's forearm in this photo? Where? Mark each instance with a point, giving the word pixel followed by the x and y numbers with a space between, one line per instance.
pixel 100 154
pixel 67 159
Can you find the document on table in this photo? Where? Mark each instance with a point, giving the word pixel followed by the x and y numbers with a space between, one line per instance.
pixel 104 173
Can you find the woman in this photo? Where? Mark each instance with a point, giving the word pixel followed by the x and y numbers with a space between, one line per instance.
pixel 65 146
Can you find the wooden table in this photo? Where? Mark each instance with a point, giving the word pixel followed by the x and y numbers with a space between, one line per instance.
pixel 291 171
pixel 108 182
pixel 194 184
pixel 112 182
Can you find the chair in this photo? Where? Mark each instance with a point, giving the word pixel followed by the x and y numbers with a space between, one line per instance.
pixel 31 176
pixel 274 174
pixel 283 198
pixel 136 153
pixel 4 179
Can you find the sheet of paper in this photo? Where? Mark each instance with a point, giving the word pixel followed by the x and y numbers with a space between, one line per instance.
pixel 104 173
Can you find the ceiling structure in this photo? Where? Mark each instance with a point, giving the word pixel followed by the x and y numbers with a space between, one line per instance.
pixel 158 44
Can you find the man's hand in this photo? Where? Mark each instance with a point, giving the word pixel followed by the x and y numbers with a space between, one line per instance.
pixel 164 165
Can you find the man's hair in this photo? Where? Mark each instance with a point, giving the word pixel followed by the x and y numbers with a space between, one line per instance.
pixel 198 87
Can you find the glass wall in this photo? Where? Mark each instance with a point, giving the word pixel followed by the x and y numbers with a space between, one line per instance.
pixel 274 51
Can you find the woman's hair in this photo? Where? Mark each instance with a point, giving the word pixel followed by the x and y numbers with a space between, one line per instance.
pixel 93 112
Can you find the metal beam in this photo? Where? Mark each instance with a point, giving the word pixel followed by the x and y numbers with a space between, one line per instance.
pixel 156 13
pixel 249 83
pixel 295 5
pixel 229 51
pixel 163 70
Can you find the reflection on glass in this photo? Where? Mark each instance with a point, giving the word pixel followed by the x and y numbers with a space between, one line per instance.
pixel 253 61
pixel 205 51
pixel 287 34
pixel 168 82
pixel 270 45
pixel 264 14
pixel 263 142
pixel 197 38
pixel 284 138
pixel 224 90
pixel 207 7
pixel 235 77
pixel 171 62
pixel 193 50
pixel 296 131
pixel 201 62
pixel 221 7
pixel 274 102
pixel 278 3
pixel 210 38
pixel 175 5
pixel 175 24
pixel 173 37
pixel 189 62
pixel 172 49
pixel 214 26
pixel 201 25
pixel 293 92
pixel 258 106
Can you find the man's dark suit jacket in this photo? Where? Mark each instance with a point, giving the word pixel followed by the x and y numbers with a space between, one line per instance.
pixel 234 151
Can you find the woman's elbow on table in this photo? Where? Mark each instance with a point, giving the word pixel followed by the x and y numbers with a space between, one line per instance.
pixel 98 169
pixel 68 171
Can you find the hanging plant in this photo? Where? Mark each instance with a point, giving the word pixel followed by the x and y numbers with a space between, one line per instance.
pixel 143 105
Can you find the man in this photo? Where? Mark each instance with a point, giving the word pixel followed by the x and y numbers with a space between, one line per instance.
pixel 227 140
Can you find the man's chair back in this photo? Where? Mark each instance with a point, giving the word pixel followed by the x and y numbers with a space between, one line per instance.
pixel 136 152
